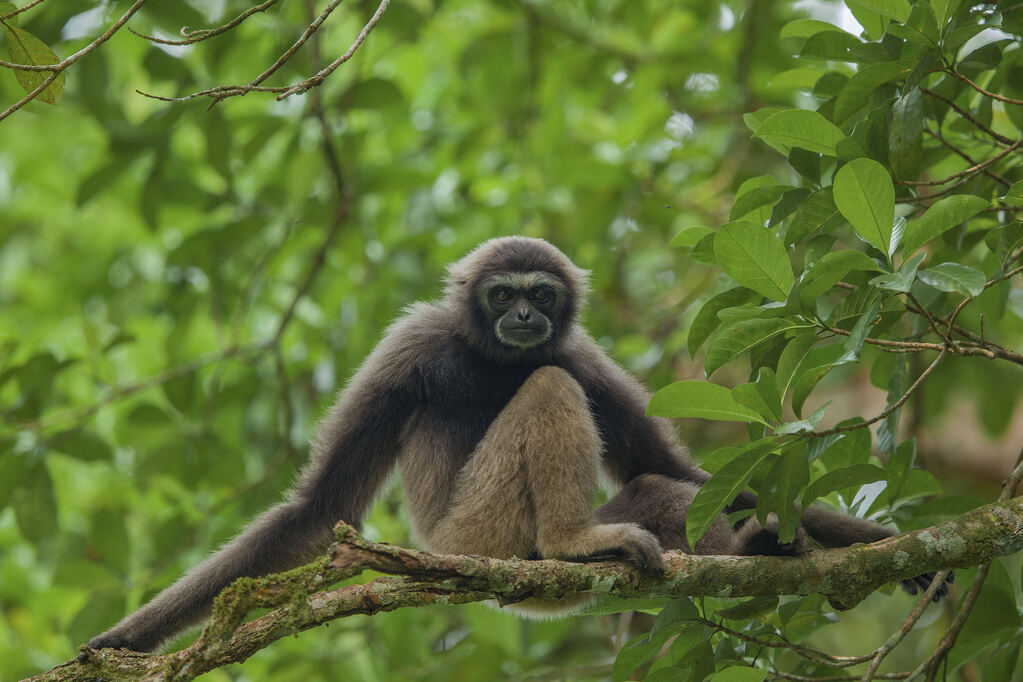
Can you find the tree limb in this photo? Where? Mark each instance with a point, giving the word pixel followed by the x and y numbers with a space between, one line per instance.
pixel 846 576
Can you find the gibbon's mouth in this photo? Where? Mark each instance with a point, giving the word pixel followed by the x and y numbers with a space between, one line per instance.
pixel 523 336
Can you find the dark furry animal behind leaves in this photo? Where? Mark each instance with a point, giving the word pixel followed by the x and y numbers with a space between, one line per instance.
pixel 500 411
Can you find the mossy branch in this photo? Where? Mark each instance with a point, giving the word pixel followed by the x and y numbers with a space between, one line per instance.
pixel 298 602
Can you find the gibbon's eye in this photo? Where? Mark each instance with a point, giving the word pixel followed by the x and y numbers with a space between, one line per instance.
pixel 542 296
pixel 502 295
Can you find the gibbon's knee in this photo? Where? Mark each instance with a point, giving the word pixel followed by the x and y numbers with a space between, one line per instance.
pixel 553 388
pixel 549 417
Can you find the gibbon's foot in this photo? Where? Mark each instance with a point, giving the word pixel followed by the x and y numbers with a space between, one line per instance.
pixel 755 539
pixel 920 583
pixel 636 544
pixel 114 640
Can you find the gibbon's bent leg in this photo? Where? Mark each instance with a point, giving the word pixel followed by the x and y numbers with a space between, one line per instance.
pixel 661 505
pixel 528 487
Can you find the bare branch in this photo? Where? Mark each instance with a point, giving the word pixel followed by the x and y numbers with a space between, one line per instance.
pixel 986 93
pixel 971 171
pixel 21 9
pixel 969 117
pixel 891 408
pixel 206 33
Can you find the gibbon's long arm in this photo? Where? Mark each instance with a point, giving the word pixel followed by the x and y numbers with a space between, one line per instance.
pixel 355 449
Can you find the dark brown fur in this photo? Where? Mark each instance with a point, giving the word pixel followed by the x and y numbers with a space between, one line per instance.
pixel 499 447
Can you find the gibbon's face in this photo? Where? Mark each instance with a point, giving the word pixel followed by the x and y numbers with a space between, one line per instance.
pixel 523 306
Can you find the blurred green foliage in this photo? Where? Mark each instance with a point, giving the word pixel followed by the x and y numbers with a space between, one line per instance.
pixel 149 253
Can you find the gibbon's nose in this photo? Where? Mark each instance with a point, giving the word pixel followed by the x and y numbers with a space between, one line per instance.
pixel 523 315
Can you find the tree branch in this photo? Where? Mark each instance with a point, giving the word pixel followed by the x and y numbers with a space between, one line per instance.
pixel 845 575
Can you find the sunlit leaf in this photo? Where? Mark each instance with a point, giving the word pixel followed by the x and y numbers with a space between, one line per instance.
pixel 800 128
pixel 755 258
pixel 700 399
pixel 25 48
pixel 954 277
pixel 865 196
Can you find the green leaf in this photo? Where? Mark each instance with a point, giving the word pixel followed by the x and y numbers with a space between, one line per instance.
pixel 636 651
pixel 816 366
pixel 866 197
pixel 804 28
pixel 856 92
pixel 800 128
pixel 808 425
pixel 830 269
pixel 737 673
pixel 35 508
pixel 722 488
pixel 894 9
pixel 755 119
pixel 854 343
pixel 839 479
pixel 942 215
pixel 8 7
pixel 842 47
pixel 740 337
pixel 689 236
pixel 848 448
pixel 954 277
pixel 901 280
pixel 749 609
pixel 700 399
pixel 905 134
pixel 707 320
pixel 755 258
pixel 703 252
pixel 792 357
pixel 943 9
pixel 681 610
pixel 798 79
pixel 82 444
pixel 761 395
pixel 756 198
pixel 817 212
pixel 784 482
pixel 25 48
pixel 14 467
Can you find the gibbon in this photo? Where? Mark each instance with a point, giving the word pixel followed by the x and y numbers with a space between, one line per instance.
pixel 499 411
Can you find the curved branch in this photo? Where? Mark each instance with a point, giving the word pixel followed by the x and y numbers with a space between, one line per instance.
pixel 201 34
pixel 845 575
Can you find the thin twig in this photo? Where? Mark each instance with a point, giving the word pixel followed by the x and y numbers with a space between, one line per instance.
pixel 930 318
pixel 329 69
pixel 806 652
pixel 988 172
pixel 21 9
pixel 986 93
pixel 976 168
pixel 926 600
pixel 892 408
pixel 835 678
pixel 968 116
pixel 207 33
